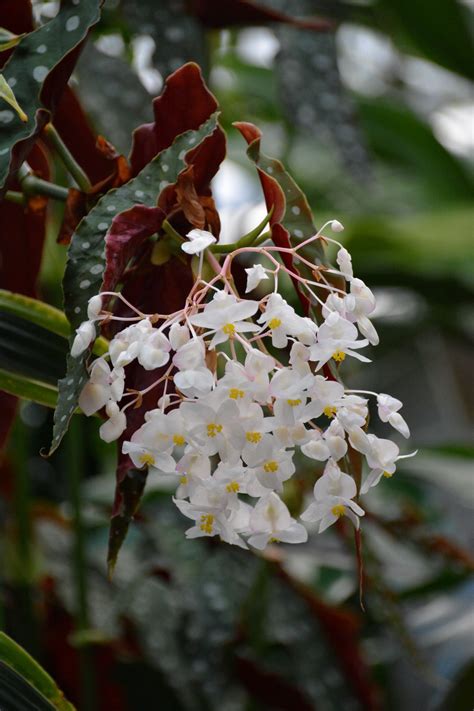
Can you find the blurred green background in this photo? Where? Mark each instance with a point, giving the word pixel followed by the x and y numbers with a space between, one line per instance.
pixel 375 123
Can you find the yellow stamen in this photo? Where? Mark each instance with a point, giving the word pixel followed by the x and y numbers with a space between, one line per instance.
pixel 339 356
pixel 274 323
pixel 229 329
pixel 294 403
pixel 271 466
pixel 253 437
pixel 330 411
pixel 207 521
pixel 338 510
pixel 183 480
pixel 147 459
pixel 233 487
pixel 236 394
pixel 213 429
pixel 178 440
pixel 274 540
pixel 387 475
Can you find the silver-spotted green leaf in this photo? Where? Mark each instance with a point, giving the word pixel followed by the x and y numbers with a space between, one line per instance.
pixel 28 69
pixel 86 257
pixel 8 39
pixel 7 95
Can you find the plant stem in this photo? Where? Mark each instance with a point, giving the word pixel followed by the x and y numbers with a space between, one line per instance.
pixel 16 197
pixel 86 654
pixel 37 186
pixel 67 158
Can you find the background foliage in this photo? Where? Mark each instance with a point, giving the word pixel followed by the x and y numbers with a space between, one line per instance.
pixel 372 120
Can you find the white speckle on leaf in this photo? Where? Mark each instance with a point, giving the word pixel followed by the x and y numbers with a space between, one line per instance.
pixel 139 193
pixel 102 225
pixel 96 269
pixel 11 82
pixel 40 73
pixel 270 169
pixel 41 49
pixel 85 245
pixel 295 210
pixel 85 284
pixel 181 155
pixel 163 184
pixel 72 23
pixel 77 309
pixel 165 168
pixel 111 208
pixel 64 417
pixel 298 233
pixel 6 116
pixel 3 151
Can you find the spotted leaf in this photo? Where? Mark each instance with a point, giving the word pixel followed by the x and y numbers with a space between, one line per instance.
pixel 38 72
pixel 86 256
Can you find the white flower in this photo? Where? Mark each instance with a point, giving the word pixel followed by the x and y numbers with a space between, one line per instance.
pixel 193 468
pixel 199 240
pixel 255 275
pixel 336 339
pixel 282 321
pixel 115 425
pixel 104 385
pixel 85 334
pixel 333 494
pixel 224 316
pixel 154 351
pixel 388 412
pixel 272 465
pixel 381 458
pixel 270 521
pixel 328 444
pixel 194 383
pixel 336 226
pixel 94 307
pixel 344 261
pixel 214 429
pixel 178 335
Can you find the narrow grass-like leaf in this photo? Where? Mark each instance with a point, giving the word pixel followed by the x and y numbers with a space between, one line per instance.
pixel 27 685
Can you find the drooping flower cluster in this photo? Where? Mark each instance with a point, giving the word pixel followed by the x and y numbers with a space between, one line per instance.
pixel 230 416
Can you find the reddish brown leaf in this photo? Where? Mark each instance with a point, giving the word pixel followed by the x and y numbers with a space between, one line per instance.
pixel 188 199
pixel 74 128
pixel 218 14
pixel 128 231
pixel 185 104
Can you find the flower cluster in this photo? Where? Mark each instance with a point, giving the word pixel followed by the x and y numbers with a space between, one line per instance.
pixel 231 416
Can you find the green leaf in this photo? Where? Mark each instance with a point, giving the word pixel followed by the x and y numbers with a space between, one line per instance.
pixel 7 95
pixel 8 39
pixel 28 389
pixel 31 67
pixel 24 685
pixel 35 311
pixel 86 255
pixel 30 350
pixel 440 31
